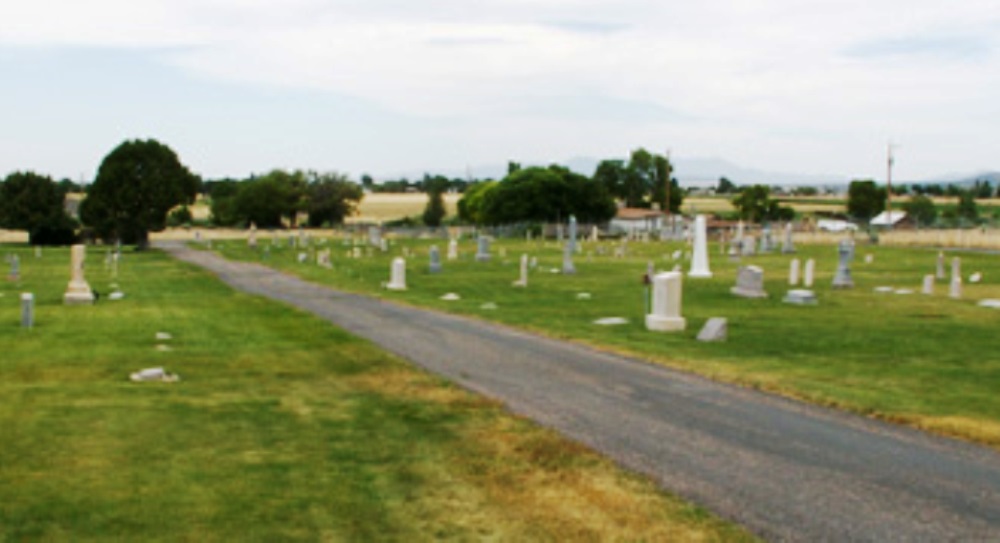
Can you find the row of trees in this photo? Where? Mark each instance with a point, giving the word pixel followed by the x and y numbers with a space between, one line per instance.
pixel 553 193
pixel 279 195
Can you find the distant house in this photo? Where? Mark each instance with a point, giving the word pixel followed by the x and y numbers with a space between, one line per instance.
pixel 835 225
pixel 632 219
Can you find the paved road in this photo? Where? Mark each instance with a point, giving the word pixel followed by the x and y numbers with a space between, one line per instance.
pixel 787 471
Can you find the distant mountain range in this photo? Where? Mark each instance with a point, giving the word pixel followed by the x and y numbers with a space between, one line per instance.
pixel 704 172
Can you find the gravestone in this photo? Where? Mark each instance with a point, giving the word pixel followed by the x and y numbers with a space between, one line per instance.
pixel 397 280
pixel 928 285
pixel 766 243
pixel 699 264
pixel 715 329
pixel 595 234
pixel 955 289
pixel 78 291
pixel 523 281
pixel 483 251
pixel 976 277
pixel 940 266
pixel 788 246
pixel 810 273
pixel 452 249
pixel 845 253
pixel 749 245
pixel 800 297
pixel 559 232
pixel 567 264
pixel 435 264
pixel 749 283
pixel 15 268
pixel 252 236
pixel 735 248
pixel 793 272
pixel 666 314
pixel 27 310
pixel 572 233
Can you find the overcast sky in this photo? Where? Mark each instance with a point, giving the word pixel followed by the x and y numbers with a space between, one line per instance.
pixel 385 86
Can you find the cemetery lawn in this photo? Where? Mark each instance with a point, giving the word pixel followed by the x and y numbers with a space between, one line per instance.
pixel 282 427
pixel 926 361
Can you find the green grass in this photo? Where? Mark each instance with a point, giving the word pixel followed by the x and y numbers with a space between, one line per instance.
pixel 923 360
pixel 281 428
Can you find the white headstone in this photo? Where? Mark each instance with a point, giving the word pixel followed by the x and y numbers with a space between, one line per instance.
pixel 397 280
pixel 666 315
pixel 435 256
pixel 800 297
pixel 523 281
pixel 715 329
pixel 27 310
pixel 699 264
pixel 810 273
pixel 567 265
pixel 252 236
pixel 793 272
pixel 928 284
pixel 749 283
pixel 78 291
pixel 483 251
pixel 453 249
pixel 845 252
pixel 788 246
pixel 940 265
pixel 955 288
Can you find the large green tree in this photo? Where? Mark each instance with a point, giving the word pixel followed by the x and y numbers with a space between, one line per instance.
pixel 547 195
pixel 642 181
pixel 755 204
pixel 33 202
pixel 330 198
pixel 921 209
pixel 470 206
pixel 865 200
pixel 137 184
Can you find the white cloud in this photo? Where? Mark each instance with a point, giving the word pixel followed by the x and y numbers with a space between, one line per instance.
pixel 812 75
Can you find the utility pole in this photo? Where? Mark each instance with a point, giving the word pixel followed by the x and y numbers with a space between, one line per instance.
pixel 669 171
pixel 888 183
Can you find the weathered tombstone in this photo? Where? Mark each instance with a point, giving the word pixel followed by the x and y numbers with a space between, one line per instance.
pixel 928 287
pixel 740 227
pixel 567 264
pixel 78 291
pixel 810 273
pixel 788 246
pixel 793 272
pixel 252 236
pixel 800 297
pixel 766 245
pixel 955 289
pixel 523 281
pixel 735 248
pixel 595 234
pixel 15 268
pixel 666 314
pixel 27 310
pixel 749 245
pixel 452 249
pixel 383 245
pixel 845 252
pixel 940 265
pixel 715 329
pixel 435 264
pixel 699 264
pixel 749 283
pixel 483 251
pixel 397 280
pixel 572 233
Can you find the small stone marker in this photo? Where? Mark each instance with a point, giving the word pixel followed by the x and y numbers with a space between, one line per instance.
pixel 163 336
pixel 810 273
pixel 976 277
pixel 955 289
pixel 435 256
pixel 716 329
pixel 453 249
pixel 611 321
pixel 884 290
pixel 845 252
pixel 800 297
pixel 398 277
pixel 940 265
pixel 15 268
pixel 583 296
pixel 765 241
pixel 488 306
pixel 666 315
pixel 116 296
pixel 749 244
pixel 572 233
pixel 252 237
pixel 595 234
pixel 483 250
pixel 27 310
pixel 928 284
pixel 451 297
pixel 869 258
pixel 904 291
pixel 990 303
pixel 793 272
pixel 78 291
pixel 699 264
pixel 303 257
pixel 153 374
pixel 749 283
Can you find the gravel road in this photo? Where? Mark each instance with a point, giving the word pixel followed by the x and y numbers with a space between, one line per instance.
pixel 786 470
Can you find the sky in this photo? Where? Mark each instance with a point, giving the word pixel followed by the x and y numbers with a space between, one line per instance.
pixel 235 87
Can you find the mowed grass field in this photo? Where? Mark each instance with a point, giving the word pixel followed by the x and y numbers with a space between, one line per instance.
pixel 927 361
pixel 282 428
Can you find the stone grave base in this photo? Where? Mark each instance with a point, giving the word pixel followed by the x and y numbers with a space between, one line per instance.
pixel 665 324
pixel 800 297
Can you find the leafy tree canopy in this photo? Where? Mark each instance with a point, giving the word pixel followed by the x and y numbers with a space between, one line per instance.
pixel 755 204
pixel 33 202
pixel 865 200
